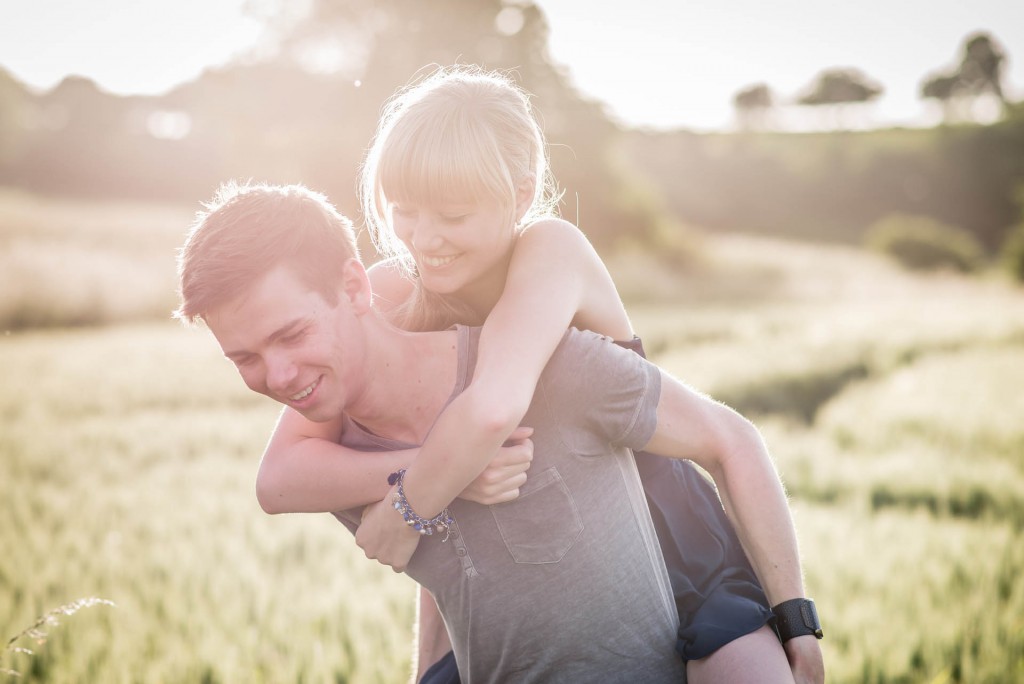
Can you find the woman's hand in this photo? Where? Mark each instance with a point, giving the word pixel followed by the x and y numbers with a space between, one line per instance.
pixel 505 474
pixel 384 536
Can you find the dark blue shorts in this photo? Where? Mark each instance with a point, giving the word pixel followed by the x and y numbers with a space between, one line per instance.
pixel 443 671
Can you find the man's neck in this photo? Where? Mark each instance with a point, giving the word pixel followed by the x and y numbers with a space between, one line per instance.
pixel 412 376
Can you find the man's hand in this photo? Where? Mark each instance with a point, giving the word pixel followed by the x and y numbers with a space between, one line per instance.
pixel 505 474
pixel 384 536
pixel 804 654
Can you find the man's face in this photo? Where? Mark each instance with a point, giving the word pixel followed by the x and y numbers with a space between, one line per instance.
pixel 293 346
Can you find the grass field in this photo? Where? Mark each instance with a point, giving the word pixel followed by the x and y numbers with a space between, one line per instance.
pixel 128 451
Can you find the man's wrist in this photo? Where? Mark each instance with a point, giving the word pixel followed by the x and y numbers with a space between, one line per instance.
pixel 796 617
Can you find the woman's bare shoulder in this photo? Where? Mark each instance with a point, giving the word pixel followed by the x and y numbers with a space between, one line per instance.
pixel 552 228
pixel 556 241
pixel 558 244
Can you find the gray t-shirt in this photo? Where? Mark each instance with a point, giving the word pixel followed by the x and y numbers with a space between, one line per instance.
pixel 566 583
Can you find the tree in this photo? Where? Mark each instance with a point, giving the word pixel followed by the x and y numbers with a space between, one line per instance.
pixel 978 77
pixel 981 69
pixel 753 105
pixel 839 90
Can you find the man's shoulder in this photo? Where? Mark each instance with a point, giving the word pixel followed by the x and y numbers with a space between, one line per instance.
pixel 585 345
pixel 585 362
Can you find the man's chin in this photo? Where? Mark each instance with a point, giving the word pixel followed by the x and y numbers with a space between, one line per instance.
pixel 313 415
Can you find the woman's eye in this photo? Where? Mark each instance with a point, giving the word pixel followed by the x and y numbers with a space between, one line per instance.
pixel 454 220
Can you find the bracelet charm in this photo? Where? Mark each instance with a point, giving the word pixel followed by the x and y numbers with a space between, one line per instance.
pixel 441 522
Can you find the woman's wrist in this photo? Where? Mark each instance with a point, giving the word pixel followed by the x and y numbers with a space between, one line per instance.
pixel 439 524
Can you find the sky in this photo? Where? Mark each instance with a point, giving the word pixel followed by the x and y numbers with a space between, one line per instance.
pixel 668 63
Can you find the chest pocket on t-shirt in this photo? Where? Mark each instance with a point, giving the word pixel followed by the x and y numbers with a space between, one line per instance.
pixel 543 523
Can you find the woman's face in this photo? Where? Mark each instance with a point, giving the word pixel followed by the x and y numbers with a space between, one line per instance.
pixel 460 249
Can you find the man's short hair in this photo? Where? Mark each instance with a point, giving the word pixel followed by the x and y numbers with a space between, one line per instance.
pixel 249 229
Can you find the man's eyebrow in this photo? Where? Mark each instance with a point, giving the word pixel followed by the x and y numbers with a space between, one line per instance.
pixel 287 329
pixel 283 331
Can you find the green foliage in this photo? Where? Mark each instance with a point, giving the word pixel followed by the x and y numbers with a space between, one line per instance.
pixel 1012 253
pixel 831 186
pixel 921 242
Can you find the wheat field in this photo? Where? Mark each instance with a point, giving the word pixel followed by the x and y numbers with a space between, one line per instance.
pixel 891 403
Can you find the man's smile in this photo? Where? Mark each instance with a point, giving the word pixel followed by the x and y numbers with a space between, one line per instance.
pixel 306 392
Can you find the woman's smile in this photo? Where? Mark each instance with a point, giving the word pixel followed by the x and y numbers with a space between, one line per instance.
pixel 437 262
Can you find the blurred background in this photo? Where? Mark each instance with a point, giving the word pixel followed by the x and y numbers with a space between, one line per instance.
pixel 800 120
pixel 815 212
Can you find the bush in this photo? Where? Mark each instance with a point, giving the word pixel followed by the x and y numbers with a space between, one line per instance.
pixel 1012 253
pixel 921 242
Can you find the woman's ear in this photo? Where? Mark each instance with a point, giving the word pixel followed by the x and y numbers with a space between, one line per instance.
pixel 356 285
pixel 525 191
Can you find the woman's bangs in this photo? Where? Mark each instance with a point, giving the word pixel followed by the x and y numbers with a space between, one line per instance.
pixel 439 166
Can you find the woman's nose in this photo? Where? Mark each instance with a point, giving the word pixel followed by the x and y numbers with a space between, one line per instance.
pixel 425 237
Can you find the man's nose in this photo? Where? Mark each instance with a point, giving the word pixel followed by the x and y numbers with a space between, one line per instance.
pixel 281 374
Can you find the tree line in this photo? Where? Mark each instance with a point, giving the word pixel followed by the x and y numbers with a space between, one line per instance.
pixel 979 74
pixel 286 119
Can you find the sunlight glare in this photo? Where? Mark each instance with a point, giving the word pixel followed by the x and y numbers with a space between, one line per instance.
pixel 509 21
pixel 169 125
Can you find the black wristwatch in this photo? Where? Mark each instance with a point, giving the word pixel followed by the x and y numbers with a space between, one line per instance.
pixel 796 617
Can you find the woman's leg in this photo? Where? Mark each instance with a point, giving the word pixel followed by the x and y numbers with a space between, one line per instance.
pixel 756 658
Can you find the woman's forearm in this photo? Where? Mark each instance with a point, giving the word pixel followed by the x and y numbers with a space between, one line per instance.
pixel 463 441
pixel 314 475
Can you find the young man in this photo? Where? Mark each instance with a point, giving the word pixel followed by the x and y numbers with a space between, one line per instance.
pixel 567 582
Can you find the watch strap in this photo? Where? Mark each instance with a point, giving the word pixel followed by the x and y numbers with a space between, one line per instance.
pixel 796 617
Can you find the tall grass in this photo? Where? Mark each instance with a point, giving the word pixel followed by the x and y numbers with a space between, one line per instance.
pixel 891 403
pixel 128 459
pixel 74 263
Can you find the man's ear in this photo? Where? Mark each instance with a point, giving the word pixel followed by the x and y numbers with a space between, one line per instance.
pixel 356 285
pixel 524 196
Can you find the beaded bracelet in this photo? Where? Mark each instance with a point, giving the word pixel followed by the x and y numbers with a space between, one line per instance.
pixel 442 522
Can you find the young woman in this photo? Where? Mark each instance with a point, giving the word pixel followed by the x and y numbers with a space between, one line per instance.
pixel 457 192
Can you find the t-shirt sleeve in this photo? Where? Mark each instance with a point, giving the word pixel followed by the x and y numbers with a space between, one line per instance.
pixel 605 393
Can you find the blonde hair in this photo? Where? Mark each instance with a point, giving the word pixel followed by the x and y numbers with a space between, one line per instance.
pixel 460 135
pixel 247 230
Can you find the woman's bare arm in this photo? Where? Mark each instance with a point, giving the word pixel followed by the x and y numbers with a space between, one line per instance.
pixel 305 470
pixel 555 278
